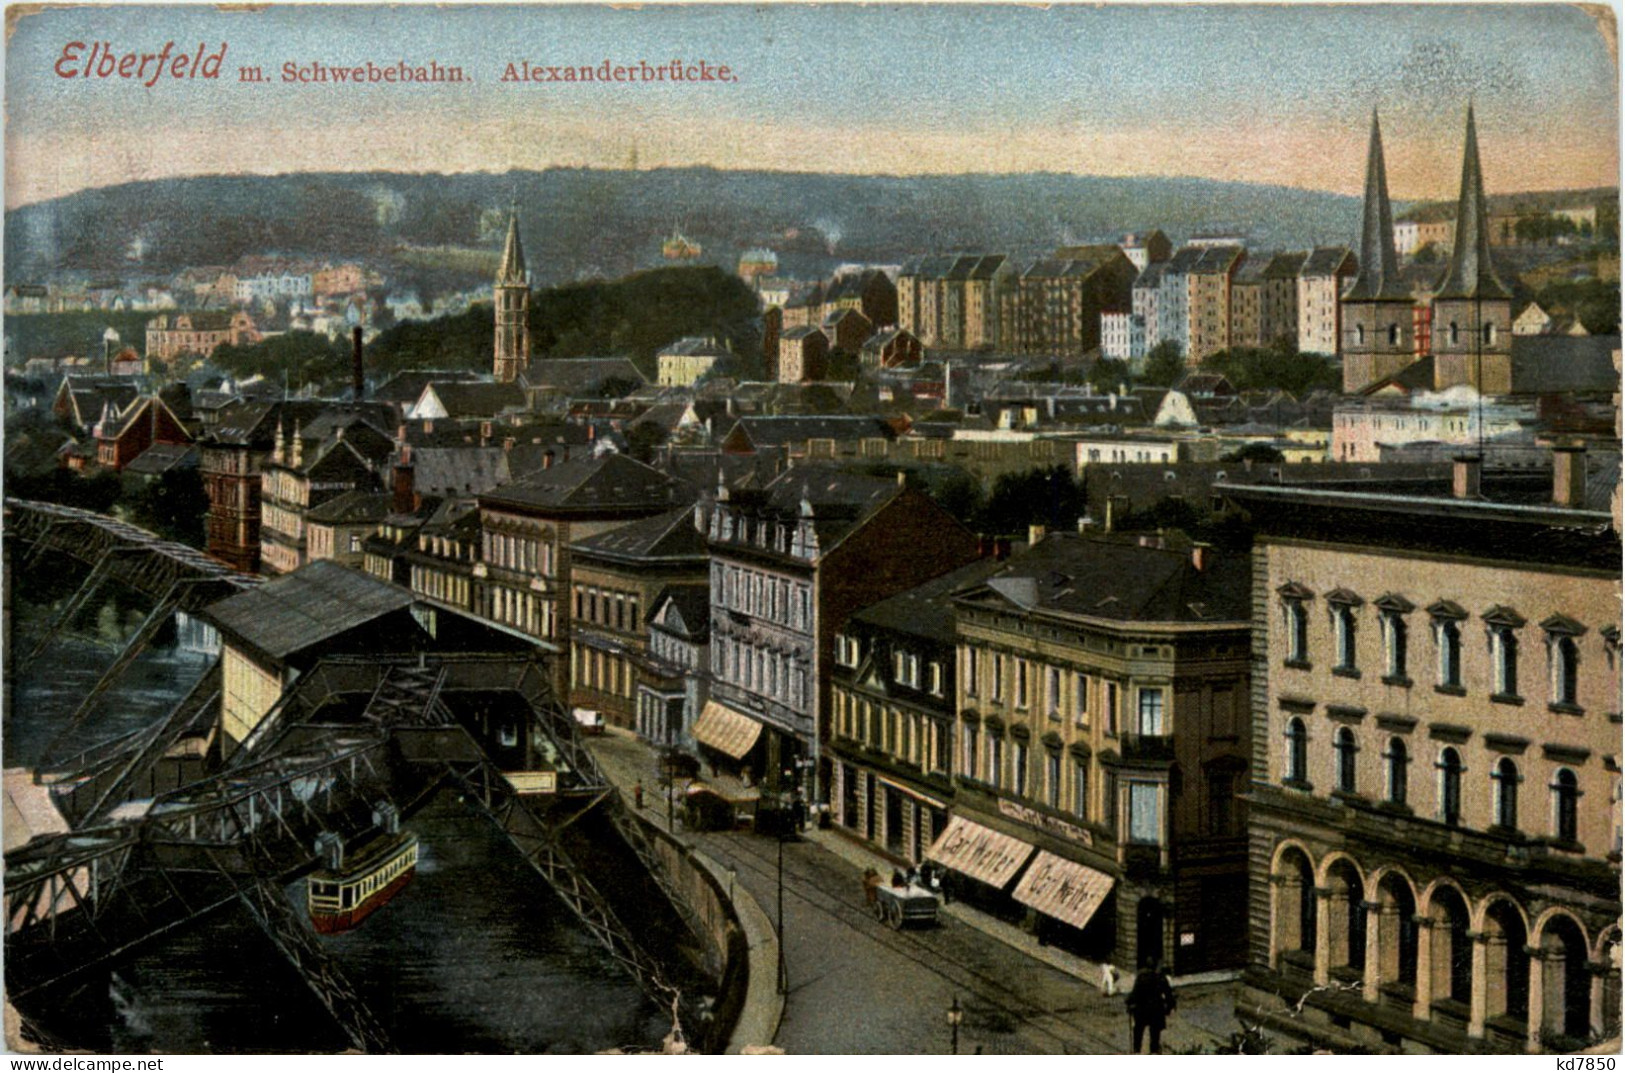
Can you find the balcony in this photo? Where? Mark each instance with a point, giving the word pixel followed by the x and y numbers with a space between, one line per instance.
pixel 1147 748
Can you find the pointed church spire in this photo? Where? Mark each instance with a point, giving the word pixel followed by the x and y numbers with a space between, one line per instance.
pixel 512 270
pixel 1378 274
pixel 1471 273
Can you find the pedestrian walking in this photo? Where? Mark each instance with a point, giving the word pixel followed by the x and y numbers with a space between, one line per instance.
pixel 1108 980
pixel 1149 1003
pixel 871 888
pixel 637 794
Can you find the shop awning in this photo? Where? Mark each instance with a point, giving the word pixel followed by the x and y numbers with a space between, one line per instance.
pixel 726 730
pixel 979 852
pixel 1063 889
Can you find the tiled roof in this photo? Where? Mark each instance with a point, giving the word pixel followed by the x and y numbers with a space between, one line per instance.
pixel 1119 579
pixel 352 507
pixel 609 482
pixel 305 608
pixel 665 536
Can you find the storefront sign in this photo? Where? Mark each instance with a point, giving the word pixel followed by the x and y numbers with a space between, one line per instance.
pixel 1033 818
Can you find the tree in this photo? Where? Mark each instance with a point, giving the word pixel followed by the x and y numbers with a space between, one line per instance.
pixel 175 506
pixel 1050 497
pixel 1164 365
pixel 1428 254
pixel 1107 374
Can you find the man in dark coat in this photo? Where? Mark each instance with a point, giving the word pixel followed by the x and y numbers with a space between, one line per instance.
pixel 1149 1004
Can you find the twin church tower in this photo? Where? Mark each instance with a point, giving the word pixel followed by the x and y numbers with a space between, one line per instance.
pixel 1464 324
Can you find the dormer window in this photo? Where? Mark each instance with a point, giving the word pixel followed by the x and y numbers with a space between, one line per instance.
pixel 846 650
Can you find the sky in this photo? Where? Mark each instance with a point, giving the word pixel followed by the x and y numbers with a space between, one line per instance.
pixel 1278 95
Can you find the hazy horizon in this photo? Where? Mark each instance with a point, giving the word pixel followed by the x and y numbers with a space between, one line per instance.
pixel 1274 96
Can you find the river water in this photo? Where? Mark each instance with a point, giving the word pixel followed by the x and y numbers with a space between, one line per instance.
pixel 475 955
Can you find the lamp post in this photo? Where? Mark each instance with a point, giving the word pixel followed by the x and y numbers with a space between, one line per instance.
pixel 955 1015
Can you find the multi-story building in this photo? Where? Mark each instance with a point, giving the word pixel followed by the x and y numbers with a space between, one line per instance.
pixel 337 452
pixel 892 716
pixel 1321 284
pixel 685 361
pixel 1424 227
pixel 616 580
pixel 790 562
pixel 438 555
pixel 197 334
pixel 1102 737
pixel 803 354
pixel 1363 428
pixel 1054 305
pixel 1434 815
pixel 231 456
pixel 1145 302
pixel 953 301
pixel 1174 298
pixel 677 681
pixel 523 575
pixel 1122 336
pixel 1209 309
pixel 1247 303
pixel 338 528
pixel 1278 315
pixel 275 286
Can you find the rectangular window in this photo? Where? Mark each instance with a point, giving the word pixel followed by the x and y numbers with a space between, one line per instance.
pixel 936 679
pixel 1108 802
pixel 1018 762
pixel 968 656
pixel 1150 711
pixel 968 760
pixel 997 688
pixel 1080 789
pixel 1052 779
pixel 1080 699
pixel 1021 683
pixel 995 759
pixel 1111 708
pixel 1145 813
pixel 1053 691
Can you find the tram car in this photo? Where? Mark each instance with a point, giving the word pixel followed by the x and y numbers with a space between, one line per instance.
pixel 340 898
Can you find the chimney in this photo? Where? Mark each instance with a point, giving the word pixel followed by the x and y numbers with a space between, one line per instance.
pixel 1569 475
pixel 357 369
pixel 405 484
pixel 1465 476
pixel 547 459
pixel 1035 533
pixel 507 445
pixel 1199 554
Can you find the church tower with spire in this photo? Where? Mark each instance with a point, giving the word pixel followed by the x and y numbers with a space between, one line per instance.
pixel 512 294
pixel 1377 310
pixel 1472 308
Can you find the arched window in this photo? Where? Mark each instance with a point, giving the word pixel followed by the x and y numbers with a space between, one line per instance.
pixel 1346 749
pixel 1504 647
pixel 1449 634
pixel 1450 786
pixel 1506 793
pixel 1489 335
pixel 1343 624
pixel 1393 335
pixel 1455 334
pixel 1297 751
pixel 1359 335
pixel 1297 629
pixel 1565 671
pixel 1398 759
pixel 1395 641
pixel 1566 805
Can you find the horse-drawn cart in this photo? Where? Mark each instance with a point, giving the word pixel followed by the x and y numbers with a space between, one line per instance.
pixel 912 904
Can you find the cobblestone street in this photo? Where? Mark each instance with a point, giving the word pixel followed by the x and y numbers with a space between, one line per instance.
pixel 857 986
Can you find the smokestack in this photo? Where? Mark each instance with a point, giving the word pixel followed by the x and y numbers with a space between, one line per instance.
pixel 357 368
pixel 1569 475
pixel 1465 476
